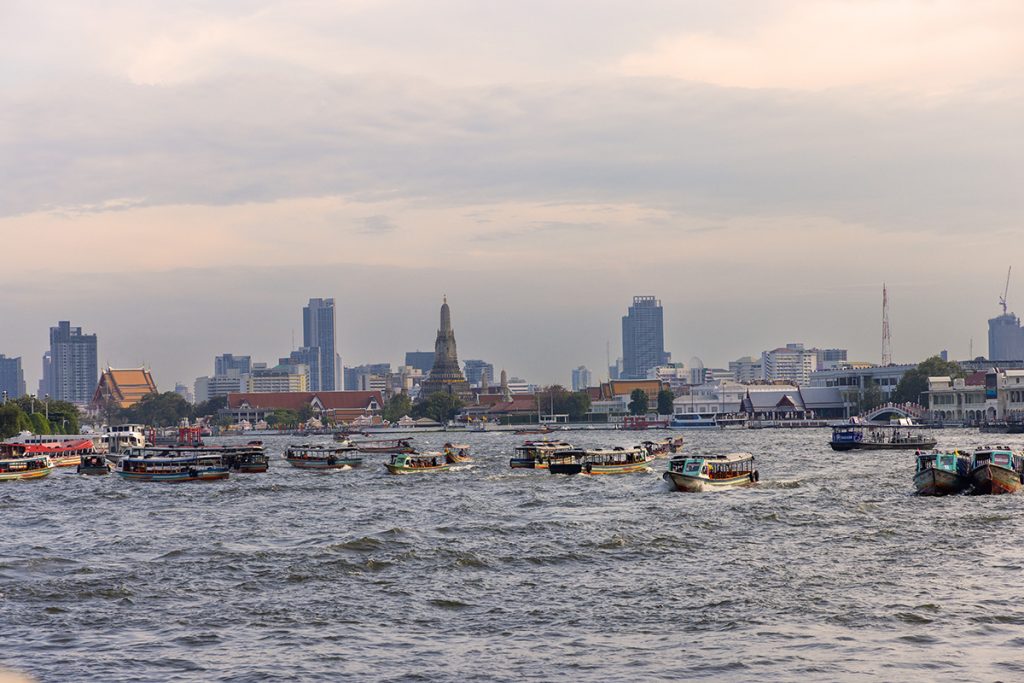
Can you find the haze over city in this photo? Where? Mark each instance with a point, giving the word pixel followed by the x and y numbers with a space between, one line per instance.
pixel 180 180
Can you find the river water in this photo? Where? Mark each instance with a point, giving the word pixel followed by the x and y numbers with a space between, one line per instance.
pixel 827 569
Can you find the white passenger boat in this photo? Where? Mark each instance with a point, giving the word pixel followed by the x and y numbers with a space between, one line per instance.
pixel 704 473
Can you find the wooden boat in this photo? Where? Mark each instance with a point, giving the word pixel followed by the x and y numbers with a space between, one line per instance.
pixel 249 459
pixel 94 464
pixel 318 457
pixel 455 453
pixel 601 461
pixel 706 473
pixel 995 471
pixel 940 473
pixel 384 446
pixel 17 463
pixel 416 463
pixel 543 430
pixel 171 465
pixel 65 453
pixel 664 447
pixel 878 438
pixel 534 455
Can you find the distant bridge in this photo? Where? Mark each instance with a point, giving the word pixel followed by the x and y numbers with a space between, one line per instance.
pixel 891 411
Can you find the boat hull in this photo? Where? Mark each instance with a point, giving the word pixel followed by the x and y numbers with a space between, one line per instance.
pixel 682 482
pixel 631 468
pixel 994 480
pixel 324 463
pixel 26 474
pixel 94 470
pixel 933 482
pixel 399 469
pixel 868 446
pixel 177 477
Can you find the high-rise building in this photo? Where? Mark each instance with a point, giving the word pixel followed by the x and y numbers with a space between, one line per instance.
pixel 476 370
pixel 643 338
pixel 421 360
pixel 46 381
pixel 1005 338
pixel 318 336
pixel 281 378
pixel 445 375
pixel 793 364
pixel 74 370
pixel 830 358
pixel 746 370
pixel 224 363
pixel 580 378
pixel 12 377
pixel 353 376
pixel 181 389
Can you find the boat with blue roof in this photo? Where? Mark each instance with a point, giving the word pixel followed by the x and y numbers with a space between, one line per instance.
pixel 878 438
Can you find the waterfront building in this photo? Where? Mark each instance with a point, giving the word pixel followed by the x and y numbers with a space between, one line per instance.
pixel 830 358
pixel 74 371
pixel 961 399
pixel 581 378
pixel 224 364
pixel 12 377
pixel 613 396
pixel 1005 338
pixel 643 338
pixel 791 363
pixel 852 378
pixel 478 372
pixel 278 379
pixel 123 387
pixel 319 332
pixel 764 401
pixel 421 360
pixel 445 375
pixel 341 407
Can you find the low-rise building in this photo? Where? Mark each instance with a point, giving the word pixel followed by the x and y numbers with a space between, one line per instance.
pixel 279 379
pixel 959 400
pixel 341 407
pixel 853 378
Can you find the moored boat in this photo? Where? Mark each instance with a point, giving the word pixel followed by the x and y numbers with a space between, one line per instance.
pixel 940 473
pixel 601 461
pixel 93 463
pixel 415 463
pixel 995 471
pixel 171 465
pixel 694 421
pixel 878 438
pixel 534 455
pixel 707 473
pixel 17 463
pixel 319 457
pixel 455 453
pixel 384 446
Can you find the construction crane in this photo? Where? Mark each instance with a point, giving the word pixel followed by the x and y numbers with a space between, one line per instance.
pixel 1006 291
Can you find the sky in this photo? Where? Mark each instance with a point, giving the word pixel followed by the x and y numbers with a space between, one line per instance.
pixel 180 178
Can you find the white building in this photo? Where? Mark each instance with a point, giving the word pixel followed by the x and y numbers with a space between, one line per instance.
pixel 791 363
pixel 746 370
pixel 219 386
pixel 854 378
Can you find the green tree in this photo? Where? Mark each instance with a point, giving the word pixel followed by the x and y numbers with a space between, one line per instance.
pixel 665 398
pixel 397 407
pixel 40 425
pixel 638 402
pixel 558 400
pixel 439 407
pixel 871 397
pixel 578 405
pixel 64 417
pixel 305 413
pixel 211 407
pixel 914 383
pixel 281 419
pixel 159 410
pixel 13 420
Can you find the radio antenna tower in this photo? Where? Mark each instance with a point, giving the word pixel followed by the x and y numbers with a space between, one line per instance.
pixel 886 335
pixel 1006 290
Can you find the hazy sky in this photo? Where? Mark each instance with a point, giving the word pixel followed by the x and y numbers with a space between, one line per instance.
pixel 181 177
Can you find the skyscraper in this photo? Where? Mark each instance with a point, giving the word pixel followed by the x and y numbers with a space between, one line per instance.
pixel 477 370
pixel 73 367
pixel 12 377
pixel 580 378
pixel 224 363
pixel 318 339
pixel 421 360
pixel 1005 338
pixel 643 338
pixel 445 375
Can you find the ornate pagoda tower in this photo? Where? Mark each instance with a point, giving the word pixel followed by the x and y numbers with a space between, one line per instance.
pixel 446 375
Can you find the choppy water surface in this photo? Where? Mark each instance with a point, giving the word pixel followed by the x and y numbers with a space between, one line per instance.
pixel 828 569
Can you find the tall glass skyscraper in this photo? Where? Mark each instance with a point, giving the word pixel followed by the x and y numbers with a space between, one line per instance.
pixel 1005 338
pixel 73 367
pixel 12 377
pixel 643 338
pixel 318 335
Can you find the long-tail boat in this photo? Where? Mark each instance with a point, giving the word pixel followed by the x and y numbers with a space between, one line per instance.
pixel 385 446
pixel 664 447
pixel 995 471
pixel 17 463
pixel 251 458
pixel 942 473
pixel 601 461
pixel 710 472
pixel 534 455
pixel 94 464
pixel 455 453
pixel 318 457
pixel 416 463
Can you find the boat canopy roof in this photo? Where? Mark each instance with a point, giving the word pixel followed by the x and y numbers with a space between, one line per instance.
pixel 726 457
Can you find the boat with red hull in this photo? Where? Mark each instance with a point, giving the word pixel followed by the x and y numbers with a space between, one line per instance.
pixel 995 471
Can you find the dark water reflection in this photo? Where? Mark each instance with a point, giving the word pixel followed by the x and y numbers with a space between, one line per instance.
pixel 829 569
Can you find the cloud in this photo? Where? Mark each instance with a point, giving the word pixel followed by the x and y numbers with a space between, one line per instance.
pixel 377 225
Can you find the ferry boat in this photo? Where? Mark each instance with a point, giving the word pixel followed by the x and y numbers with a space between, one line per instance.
pixel 416 463
pixel 694 421
pixel 941 473
pixel 706 473
pixel 17 462
pixel 171 465
pixel 385 446
pixel 318 457
pixel 64 453
pixel 534 455
pixel 93 463
pixel 601 461
pixel 248 459
pixel 123 437
pixel 996 470
pixel 878 438
pixel 664 447
pixel 457 453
